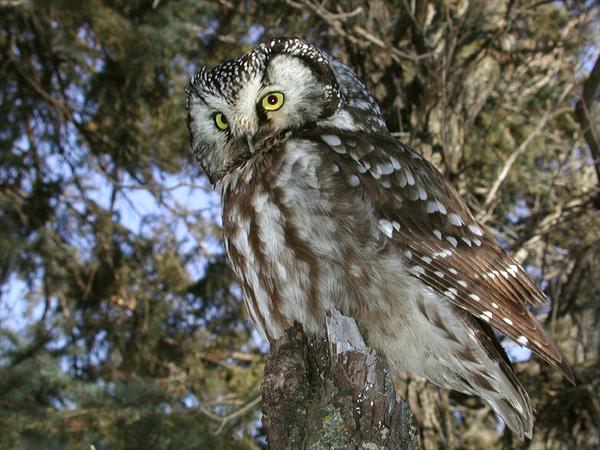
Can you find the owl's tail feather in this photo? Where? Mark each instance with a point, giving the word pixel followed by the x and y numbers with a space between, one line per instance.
pixel 514 408
pixel 504 392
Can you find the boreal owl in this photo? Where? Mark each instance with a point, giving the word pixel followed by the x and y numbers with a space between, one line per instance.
pixel 323 207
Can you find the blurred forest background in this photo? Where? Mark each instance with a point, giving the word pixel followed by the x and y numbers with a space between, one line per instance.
pixel 120 326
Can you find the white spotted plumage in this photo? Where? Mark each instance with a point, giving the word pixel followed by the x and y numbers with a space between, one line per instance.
pixel 322 206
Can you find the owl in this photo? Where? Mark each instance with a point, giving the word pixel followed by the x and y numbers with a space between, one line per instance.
pixel 323 207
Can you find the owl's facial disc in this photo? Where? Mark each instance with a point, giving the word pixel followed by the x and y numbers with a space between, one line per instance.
pixel 239 108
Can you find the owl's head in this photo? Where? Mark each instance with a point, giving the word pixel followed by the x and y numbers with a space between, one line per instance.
pixel 238 108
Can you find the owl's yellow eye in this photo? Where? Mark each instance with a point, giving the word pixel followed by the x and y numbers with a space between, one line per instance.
pixel 273 101
pixel 221 121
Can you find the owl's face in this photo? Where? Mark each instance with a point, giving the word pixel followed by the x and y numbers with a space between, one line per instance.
pixel 241 106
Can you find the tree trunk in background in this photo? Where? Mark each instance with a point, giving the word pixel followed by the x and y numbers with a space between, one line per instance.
pixel 332 392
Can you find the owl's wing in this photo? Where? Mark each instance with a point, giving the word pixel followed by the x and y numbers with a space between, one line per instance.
pixel 442 243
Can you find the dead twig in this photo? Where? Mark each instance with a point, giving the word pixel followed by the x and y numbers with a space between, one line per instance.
pixel 223 420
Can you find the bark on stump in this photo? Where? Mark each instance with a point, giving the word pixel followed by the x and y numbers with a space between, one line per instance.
pixel 332 392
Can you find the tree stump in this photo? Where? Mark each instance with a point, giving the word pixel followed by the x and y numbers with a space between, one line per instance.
pixel 332 392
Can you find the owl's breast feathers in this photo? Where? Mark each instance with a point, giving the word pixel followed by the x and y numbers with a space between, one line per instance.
pixel 297 238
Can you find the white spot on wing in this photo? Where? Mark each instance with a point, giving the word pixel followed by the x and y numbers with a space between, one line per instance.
pixel 475 297
pixel 339 149
pixel 451 293
pixel 331 139
pixel 361 168
pixel 387 227
pixel 475 230
pixel 486 315
pixel 353 180
pixel 395 163
pixel 507 320
pixel 437 234
pixel 522 340
pixel 417 270
pixel 455 219
pixel 431 207
pixel 386 169
pixel 441 207
pixel 452 240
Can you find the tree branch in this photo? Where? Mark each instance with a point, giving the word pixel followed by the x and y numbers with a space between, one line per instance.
pixel 583 108
pixel 332 392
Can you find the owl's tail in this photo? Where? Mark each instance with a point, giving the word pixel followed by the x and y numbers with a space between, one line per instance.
pixel 503 390
pixel 513 405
